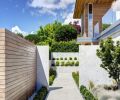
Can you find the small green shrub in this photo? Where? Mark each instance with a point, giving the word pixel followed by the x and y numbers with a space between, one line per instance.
pixel 41 94
pixel 57 58
pixel 77 63
pixel 70 58
pixel 75 58
pixel 57 63
pixel 52 75
pixel 87 94
pixel 61 58
pixel 75 76
pixel 62 63
pixel 53 58
pixel 52 72
pixel 51 79
pixel 72 63
pixel 65 58
pixel 67 63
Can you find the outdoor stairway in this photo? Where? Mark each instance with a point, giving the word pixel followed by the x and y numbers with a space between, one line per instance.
pixel 64 88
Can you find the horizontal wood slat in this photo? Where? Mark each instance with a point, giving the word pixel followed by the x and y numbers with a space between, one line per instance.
pixel 17 67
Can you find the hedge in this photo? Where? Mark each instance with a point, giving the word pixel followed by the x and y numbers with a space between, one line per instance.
pixel 69 46
pixel 87 94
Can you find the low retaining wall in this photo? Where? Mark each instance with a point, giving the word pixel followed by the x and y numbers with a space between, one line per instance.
pixel 56 56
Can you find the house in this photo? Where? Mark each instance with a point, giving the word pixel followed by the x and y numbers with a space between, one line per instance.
pixel 93 13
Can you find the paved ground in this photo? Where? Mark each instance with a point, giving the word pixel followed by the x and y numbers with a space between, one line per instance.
pixel 64 88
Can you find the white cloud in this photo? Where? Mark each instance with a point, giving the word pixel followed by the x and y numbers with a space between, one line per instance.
pixel 69 19
pixel 16 29
pixel 116 5
pixel 49 6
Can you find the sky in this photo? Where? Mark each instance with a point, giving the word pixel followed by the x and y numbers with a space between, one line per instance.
pixel 27 16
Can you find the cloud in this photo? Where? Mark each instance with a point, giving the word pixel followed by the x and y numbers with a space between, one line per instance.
pixel 16 29
pixel 116 5
pixel 50 6
pixel 69 18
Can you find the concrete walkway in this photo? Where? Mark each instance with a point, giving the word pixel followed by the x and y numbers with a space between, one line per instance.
pixel 64 88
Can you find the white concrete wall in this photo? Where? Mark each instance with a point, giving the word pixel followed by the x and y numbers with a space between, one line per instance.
pixel 64 55
pixel 90 69
pixel 42 66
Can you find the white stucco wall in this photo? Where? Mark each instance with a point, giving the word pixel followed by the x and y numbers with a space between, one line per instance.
pixel 42 66
pixel 90 69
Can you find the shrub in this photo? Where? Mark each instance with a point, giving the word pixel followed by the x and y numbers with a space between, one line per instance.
pixel 75 58
pixel 75 76
pixel 70 58
pixel 57 58
pixel 57 63
pixel 53 58
pixel 41 94
pixel 62 63
pixel 51 79
pixel 52 72
pixel 61 58
pixel 52 75
pixel 87 94
pixel 67 63
pixel 109 53
pixel 77 63
pixel 72 63
pixel 65 58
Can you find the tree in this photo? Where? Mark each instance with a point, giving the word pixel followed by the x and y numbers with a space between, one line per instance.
pixel 65 33
pixel 109 53
pixel 33 38
pixel 20 34
pixel 105 26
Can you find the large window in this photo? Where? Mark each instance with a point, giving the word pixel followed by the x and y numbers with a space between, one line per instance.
pixel 90 20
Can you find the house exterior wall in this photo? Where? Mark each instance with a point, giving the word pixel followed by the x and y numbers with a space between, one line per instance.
pixel 90 69
pixel 42 66
pixel 17 67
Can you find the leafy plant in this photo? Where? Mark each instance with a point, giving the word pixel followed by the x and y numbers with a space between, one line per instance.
pixel 77 63
pixel 75 58
pixel 65 58
pixel 91 85
pixel 70 58
pixel 75 76
pixel 41 94
pixel 62 63
pixel 67 63
pixel 109 53
pixel 61 58
pixel 57 63
pixel 87 94
pixel 72 63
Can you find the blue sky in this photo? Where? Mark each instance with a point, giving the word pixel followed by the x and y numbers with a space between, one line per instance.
pixel 28 15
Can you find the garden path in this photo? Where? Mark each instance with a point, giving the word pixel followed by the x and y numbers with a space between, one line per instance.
pixel 64 88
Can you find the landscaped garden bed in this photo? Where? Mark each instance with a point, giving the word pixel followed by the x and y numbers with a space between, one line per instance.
pixel 41 94
pixel 52 75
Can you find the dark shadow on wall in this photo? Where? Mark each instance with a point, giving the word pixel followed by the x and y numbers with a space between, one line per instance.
pixel 41 77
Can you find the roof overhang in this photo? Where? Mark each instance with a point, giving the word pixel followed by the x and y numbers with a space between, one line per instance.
pixel 79 6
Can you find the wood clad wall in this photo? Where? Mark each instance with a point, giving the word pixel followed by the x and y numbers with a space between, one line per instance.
pixel 20 67
pixel 99 11
pixel 2 65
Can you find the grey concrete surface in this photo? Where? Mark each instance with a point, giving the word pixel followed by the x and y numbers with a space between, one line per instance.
pixel 64 88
